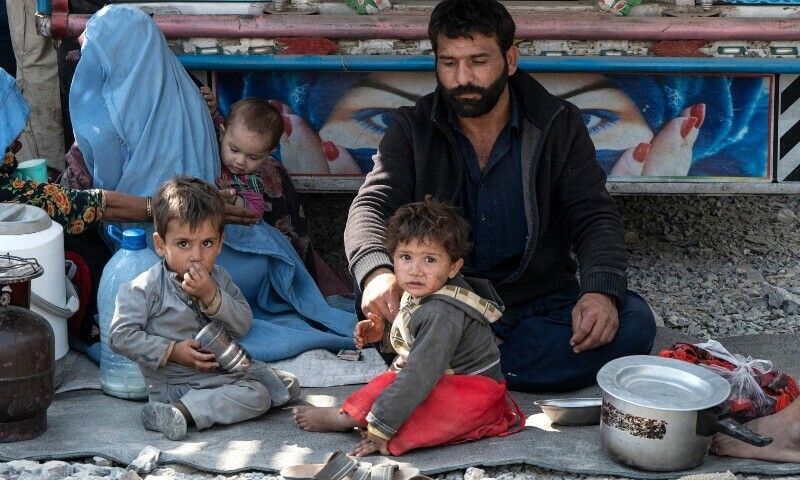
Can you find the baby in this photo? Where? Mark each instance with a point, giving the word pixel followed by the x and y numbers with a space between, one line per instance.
pixel 248 136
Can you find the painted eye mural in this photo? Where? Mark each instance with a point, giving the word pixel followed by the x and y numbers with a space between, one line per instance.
pixel 642 125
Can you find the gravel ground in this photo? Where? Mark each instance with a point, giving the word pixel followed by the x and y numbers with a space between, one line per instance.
pixel 718 266
pixel 709 266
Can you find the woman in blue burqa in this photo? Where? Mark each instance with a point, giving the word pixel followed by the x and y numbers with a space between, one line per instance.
pixel 139 120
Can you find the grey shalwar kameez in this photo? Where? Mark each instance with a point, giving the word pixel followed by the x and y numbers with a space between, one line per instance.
pixel 153 313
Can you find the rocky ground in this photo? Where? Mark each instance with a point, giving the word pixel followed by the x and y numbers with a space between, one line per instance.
pixel 710 266
pixel 717 266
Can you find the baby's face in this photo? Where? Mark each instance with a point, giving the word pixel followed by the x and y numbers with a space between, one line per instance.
pixel 243 151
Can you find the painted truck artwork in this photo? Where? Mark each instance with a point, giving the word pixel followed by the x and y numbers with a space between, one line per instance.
pixel 673 127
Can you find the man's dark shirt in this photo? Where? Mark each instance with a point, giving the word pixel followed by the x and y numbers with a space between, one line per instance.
pixel 492 201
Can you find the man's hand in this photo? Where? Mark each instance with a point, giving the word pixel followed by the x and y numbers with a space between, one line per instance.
pixel 198 283
pixel 381 294
pixel 594 322
pixel 185 353
pixel 370 444
pixel 369 330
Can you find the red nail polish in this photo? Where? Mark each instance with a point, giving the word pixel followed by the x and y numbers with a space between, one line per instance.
pixel 698 111
pixel 330 150
pixel 641 151
pixel 687 125
pixel 287 125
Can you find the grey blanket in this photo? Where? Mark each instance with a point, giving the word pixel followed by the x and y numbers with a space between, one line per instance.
pixel 86 422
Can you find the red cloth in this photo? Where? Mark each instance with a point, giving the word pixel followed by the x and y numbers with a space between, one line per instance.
pixel 460 408
pixel 83 284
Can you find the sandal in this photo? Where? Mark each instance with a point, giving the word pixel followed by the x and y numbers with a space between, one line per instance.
pixel 339 466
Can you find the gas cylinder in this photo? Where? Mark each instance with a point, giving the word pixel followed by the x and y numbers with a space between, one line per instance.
pixel 27 354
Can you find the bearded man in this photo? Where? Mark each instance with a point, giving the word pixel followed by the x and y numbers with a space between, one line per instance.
pixel 519 164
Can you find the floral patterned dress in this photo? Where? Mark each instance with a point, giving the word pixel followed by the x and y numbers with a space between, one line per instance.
pixel 282 208
pixel 76 210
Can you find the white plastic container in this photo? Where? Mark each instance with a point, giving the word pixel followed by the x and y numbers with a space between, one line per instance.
pixel 119 376
pixel 28 232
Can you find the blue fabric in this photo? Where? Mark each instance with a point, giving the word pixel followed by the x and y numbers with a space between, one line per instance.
pixel 536 355
pixel 92 351
pixel 342 303
pixel 492 201
pixel 278 288
pixel 14 110
pixel 139 119
pixel 137 115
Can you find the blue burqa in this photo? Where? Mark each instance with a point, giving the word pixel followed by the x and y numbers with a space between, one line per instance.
pixel 139 119
pixel 14 110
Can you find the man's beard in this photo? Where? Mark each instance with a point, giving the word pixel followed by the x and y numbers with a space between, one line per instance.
pixel 474 107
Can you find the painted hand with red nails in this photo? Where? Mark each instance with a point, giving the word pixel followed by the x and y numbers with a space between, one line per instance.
pixel 669 153
pixel 304 153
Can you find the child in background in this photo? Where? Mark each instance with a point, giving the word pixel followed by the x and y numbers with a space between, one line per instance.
pixel 161 311
pixel 446 385
pixel 249 134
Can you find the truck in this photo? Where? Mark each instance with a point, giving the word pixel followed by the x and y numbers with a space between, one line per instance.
pixel 678 96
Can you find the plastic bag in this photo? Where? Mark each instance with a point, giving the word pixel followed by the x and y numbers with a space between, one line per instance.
pixel 756 389
pixel 747 399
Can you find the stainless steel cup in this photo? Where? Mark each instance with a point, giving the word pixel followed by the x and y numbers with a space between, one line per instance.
pixel 230 354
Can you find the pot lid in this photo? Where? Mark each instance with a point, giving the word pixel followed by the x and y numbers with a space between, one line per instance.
pixel 19 219
pixel 662 383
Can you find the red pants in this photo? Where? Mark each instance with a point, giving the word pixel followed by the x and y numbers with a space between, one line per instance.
pixel 460 408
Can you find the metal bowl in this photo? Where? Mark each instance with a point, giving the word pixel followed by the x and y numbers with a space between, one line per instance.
pixel 572 411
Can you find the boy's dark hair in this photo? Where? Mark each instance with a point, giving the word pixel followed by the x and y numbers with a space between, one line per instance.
pixel 187 199
pixel 462 18
pixel 429 221
pixel 257 116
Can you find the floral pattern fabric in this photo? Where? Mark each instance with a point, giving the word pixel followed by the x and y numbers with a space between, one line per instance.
pixel 282 208
pixel 75 210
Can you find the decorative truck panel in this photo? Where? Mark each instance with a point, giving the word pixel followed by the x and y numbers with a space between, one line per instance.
pixel 635 78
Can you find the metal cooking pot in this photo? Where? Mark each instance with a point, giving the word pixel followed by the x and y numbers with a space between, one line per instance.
pixel 658 414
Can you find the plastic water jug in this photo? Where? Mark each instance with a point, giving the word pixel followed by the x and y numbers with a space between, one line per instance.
pixel 119 376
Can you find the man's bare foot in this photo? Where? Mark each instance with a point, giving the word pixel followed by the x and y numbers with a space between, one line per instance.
pixel 783 427
pixel 322 419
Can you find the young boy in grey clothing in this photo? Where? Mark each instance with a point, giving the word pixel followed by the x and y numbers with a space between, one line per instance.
pixel 161 311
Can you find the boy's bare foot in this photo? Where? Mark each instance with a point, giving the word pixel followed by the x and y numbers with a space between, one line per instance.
pixel 322 419
pixel 783 427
